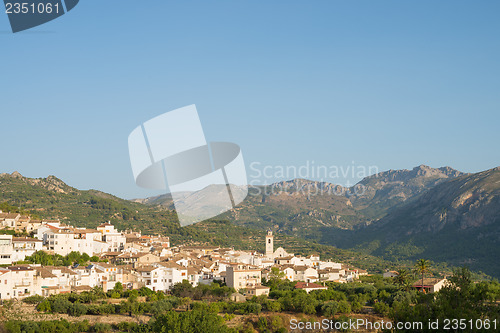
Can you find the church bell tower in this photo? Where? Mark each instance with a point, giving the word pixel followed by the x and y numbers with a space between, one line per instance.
pixel 269 244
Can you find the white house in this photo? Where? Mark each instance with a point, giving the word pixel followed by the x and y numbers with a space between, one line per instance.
pixel 390 274
pixel 68 239
pixel 24 247
pixel 6 249
pixel 329 264
pixel 307 274
pixel 6 284
pixel 9 220
pixel 153 277
pixel 289 273
pixel 22 281
pixel 174 273
pixel 116 240
pixel 329 274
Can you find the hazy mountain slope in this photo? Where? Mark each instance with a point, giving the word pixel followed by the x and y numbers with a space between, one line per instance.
pixel 319 210
pixel 294 211
pixel 386 190
pixel 457 221
pixel 439 214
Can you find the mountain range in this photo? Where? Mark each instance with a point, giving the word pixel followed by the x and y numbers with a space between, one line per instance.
pixel 457 221
pixel 438 213
pixel 50 197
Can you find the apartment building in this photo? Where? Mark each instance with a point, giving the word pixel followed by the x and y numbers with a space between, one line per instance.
pixel 241 276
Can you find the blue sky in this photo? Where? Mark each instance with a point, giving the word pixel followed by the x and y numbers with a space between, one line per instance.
pixel 393 84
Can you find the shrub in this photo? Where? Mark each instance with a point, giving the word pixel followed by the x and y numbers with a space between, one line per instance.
pixel 44 306
pixel 253 308
pixel 272 324
pixel 272 306
pixel 114 294
pixel 127 327
pixel 60 305
pixel 35 299
pixel 329 309
pixel 77 310
pixel 344 307
pixel 107 308
pixel 215 307
pixel 381 308
pixel 101 328
pixel 93 309
pixel 161 307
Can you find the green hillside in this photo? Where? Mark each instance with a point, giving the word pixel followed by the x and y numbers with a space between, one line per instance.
pixel 457 222
pixel 52 198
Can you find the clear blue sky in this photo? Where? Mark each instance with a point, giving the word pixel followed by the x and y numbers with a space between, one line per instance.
pixel 388 83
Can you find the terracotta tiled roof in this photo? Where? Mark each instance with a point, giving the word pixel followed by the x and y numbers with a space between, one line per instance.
pixel 309 285
pixel 44 272
pixel 428 282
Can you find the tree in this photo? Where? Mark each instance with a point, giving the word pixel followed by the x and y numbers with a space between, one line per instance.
pixel 422 267
pixel 403 279
pixel 77 310
pixel 118 287
pixel 329 309
pixel 276 273
pixel 182 289
pixel 97 293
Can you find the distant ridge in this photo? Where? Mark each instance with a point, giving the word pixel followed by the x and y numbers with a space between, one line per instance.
pixel 456 221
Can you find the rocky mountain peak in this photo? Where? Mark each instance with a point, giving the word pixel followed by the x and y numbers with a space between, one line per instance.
pixel 16 174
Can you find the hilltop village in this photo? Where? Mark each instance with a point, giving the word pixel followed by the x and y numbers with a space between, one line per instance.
pixel 137 260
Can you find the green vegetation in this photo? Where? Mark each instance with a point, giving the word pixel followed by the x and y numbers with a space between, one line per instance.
pixel 45 259
pixel 7 208
pixel 403 279
pixel 462 299
pixel 206 308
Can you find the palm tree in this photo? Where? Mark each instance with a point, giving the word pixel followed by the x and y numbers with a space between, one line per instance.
pixel 422 267
pixel 403 279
